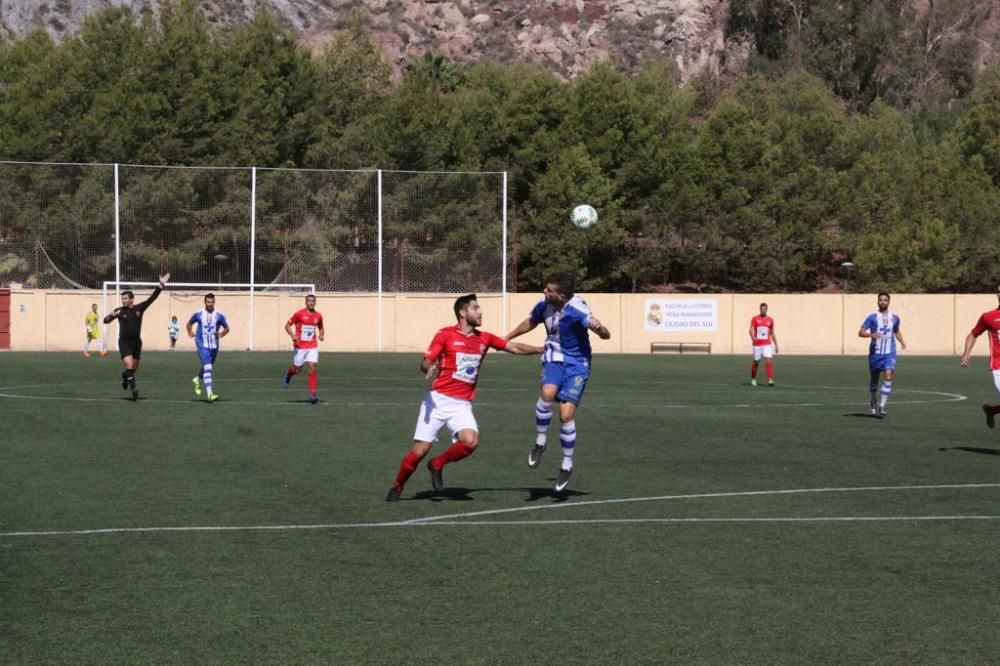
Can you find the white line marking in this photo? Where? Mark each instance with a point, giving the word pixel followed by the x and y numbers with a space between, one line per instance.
pixel 628 521
pixel 746 493
pixel 458 519
pixel 486 404
pixel 203 528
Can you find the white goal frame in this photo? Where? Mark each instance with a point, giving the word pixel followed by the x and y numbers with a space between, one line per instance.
pixel 202 286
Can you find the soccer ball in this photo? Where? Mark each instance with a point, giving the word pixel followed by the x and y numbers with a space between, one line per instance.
pixel 583 217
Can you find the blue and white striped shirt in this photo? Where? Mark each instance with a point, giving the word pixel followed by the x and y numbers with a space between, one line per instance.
pixel 567 334
pixel 886 324
pixel 207 325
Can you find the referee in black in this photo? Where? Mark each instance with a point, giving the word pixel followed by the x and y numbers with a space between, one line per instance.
pixel 129 317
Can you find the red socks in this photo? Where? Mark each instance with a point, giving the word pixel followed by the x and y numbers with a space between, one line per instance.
pixel 406 468
pixel 753 370
pixel 453 453
pixel 770 370
pixel 312 380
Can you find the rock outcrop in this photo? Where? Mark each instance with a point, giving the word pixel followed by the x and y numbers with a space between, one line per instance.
pixel 564 36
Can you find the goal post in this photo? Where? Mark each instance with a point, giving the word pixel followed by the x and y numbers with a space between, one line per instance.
pixel 115 287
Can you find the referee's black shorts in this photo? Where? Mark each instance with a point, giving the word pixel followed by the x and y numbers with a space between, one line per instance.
pixel 131 348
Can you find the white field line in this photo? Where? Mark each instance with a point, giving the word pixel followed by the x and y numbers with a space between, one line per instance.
pixel 746 493
pixel 486 404
pixel 460 518
pixel 665 521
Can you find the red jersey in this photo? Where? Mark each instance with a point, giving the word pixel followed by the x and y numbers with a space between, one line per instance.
pixel 306 327
pixel 990 321
pixel 460 355
pixel 761 329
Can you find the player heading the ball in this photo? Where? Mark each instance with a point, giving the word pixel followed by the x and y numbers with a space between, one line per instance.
pixel 565 365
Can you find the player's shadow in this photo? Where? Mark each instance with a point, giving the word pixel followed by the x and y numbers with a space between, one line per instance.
pixel 452 494
pixel 459 494
pixel 863 415
pixel 972 449
pixel 548 492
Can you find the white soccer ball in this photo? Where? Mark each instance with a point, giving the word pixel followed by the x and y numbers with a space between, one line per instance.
pixel 584 217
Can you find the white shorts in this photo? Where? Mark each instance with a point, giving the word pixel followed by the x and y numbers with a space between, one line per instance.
pixel 303 356
pixel 996 379
pixel 439 410
pixel 762 351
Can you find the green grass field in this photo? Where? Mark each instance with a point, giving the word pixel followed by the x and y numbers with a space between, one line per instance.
pixel 707 521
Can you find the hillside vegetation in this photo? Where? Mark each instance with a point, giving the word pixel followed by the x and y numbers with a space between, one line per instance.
pixel 836 142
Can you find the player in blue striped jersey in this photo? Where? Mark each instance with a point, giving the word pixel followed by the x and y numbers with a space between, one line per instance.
pixel 211 326
pixel 882 327
pixel 565 365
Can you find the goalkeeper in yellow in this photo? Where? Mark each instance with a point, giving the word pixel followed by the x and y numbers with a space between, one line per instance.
pixel 93 332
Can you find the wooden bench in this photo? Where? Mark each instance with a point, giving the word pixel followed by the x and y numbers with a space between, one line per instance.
pixel 681 347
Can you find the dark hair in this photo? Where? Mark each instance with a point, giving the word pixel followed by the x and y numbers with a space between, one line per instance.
pixel 462 302
pixel 884 293
pixel 210 295
pixel 128 292
pixel 763 305
pixel 563 282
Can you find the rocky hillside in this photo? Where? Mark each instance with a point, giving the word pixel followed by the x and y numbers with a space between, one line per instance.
pixel 563 36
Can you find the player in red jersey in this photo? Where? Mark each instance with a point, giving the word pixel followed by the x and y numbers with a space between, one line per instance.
pixel 305 327
pixel 452 362
pixel 988 321
pixel 765 345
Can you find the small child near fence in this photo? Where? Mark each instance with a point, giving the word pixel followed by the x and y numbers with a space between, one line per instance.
pixel 173 330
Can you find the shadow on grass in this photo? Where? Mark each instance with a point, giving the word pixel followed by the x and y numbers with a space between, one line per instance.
pixel 458 494
pixel 972 449
pixel 864 415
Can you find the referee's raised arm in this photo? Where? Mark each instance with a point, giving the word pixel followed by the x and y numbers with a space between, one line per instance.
pixel 156 292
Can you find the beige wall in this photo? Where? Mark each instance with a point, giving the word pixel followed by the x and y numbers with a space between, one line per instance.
pixel 804 323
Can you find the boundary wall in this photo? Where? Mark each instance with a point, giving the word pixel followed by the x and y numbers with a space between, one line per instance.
pixel 49 320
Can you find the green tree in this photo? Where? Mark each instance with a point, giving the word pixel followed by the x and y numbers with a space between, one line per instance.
pixel 353 84
pixel 533 110
pixel 273 88
pixel 549 241
pixel 979 130
pixel 896 209
pixel 38 99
